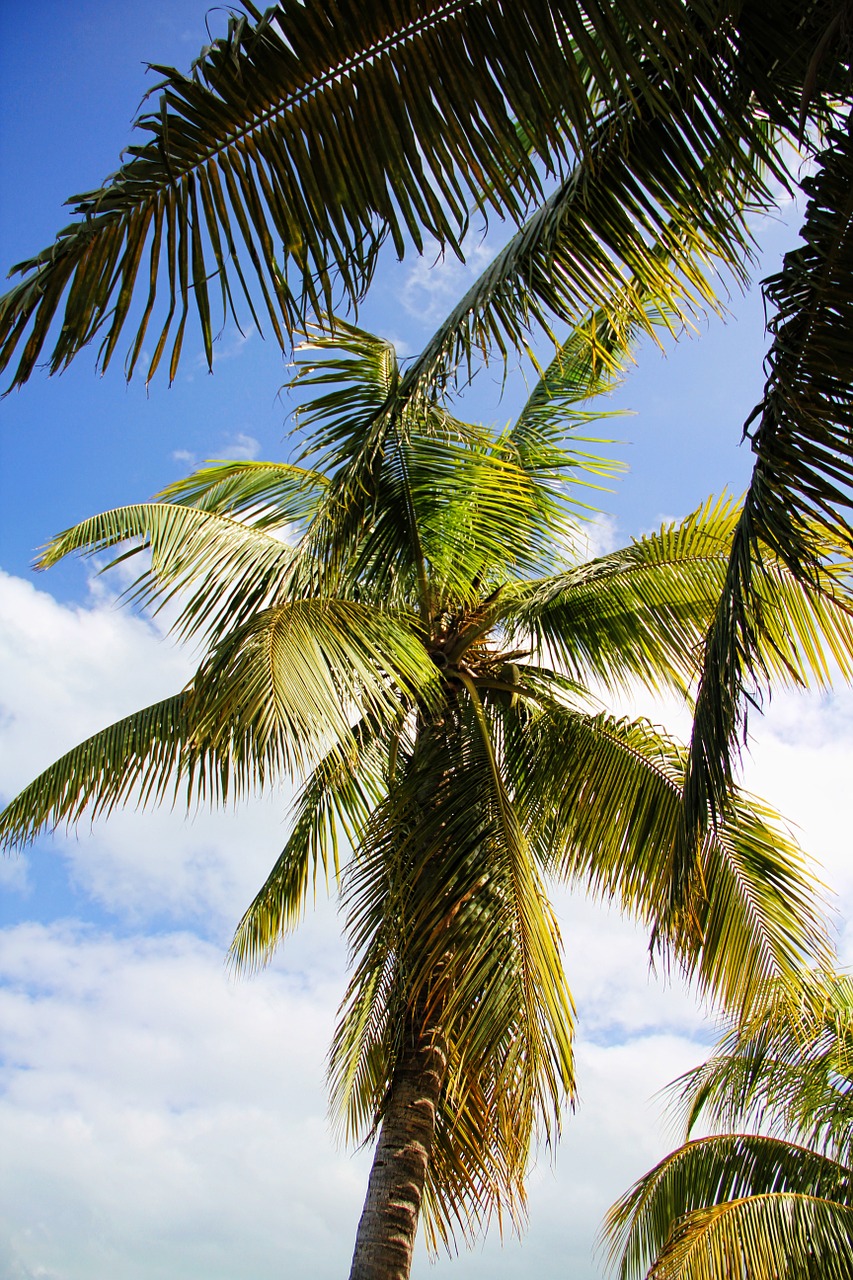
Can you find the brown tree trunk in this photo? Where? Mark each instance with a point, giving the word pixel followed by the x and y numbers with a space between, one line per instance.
pixel 386 1233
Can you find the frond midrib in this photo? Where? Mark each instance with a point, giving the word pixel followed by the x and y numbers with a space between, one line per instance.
pixel 176 172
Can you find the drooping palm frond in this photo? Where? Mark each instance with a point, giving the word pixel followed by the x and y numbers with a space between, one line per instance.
pixel 770 1205
pixel 445 911
pixel 789 1069
pixel 305 137
pixel 801 492
pixel 605 794
pixel 267 702
pixel 139 754
pixel 296 675
pixel 335 801
pixel 736 1204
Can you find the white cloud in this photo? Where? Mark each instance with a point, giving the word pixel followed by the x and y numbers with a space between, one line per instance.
pixel 165 1121
pixel 69 671
pixel 243 448
pixel 433 286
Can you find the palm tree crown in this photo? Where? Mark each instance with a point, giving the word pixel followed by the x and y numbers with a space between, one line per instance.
pixel 626 140
pixel 399 621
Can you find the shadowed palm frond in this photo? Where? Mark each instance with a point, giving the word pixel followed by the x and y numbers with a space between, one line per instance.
pixel 801 491
pixel 445 910
pixel 304 138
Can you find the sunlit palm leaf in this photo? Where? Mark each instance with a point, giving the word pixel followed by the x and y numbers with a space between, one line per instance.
pixel 298 674
pixel 641 613
pixel 217 570
pixel 269 495
pixel 735 1204
pixel 612 790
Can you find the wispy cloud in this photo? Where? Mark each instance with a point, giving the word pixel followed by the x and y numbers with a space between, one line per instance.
pixel 243 448
pixel 433 286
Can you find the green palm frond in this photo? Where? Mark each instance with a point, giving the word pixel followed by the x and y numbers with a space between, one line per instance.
pixel 217 569
pixel 735 1204
pixel 636 613
pixel 420 493
pixel 172 749
pixel 297 674
pixel 606 796
pixel 335 801
pixel 642 612
pixel 268 495
pixel 137 756
pixel 801 492
pixel 789 1068
pixel 778 1236
pixel 303 139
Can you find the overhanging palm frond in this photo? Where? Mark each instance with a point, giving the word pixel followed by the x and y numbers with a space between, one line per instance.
pixel 305 137
pixel 802 484
pixel 735 1204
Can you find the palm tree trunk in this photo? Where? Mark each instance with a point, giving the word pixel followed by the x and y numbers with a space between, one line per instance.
pixel 386 1234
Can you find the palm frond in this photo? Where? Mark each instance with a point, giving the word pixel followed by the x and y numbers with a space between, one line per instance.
pixel 296 675
pixel 446 915
pixel 643 612
pixel 607 795
pixel 137 756
pixel 788 1069
pixel 735 1204
pixel 802 487
pixel 335 801
pixel 303 139
pixel 217 569
pixel 268 495
pixel 779 1236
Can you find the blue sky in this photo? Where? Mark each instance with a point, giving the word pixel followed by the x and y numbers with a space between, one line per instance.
pixel 156 1118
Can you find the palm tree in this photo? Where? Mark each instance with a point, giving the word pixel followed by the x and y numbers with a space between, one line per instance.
pixel 775 1201
pixel 626 140
pixel 399 621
